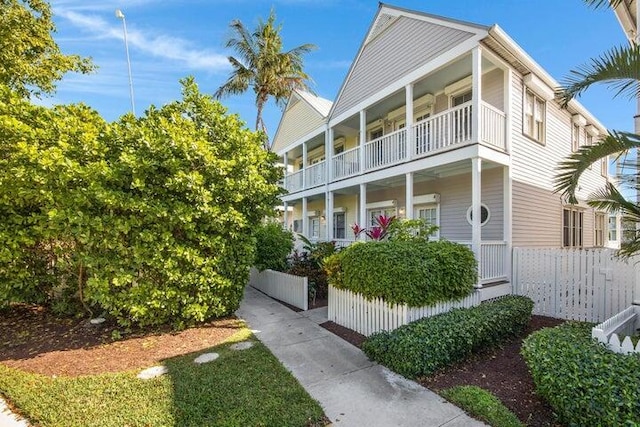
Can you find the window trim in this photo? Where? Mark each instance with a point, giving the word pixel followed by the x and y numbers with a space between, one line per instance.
pixel 572 228
pixel 436 206
pixel 486 221
pixel 543 140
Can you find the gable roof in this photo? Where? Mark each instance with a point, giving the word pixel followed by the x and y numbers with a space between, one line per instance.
pixel 303 114
pixel 398 41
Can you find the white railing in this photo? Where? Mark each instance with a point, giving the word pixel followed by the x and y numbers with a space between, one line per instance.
pixel 366 317
pixel 386 150
pixel 293 182
pixel 493 126
pixel 346 163
pixel 343 243
pixel 285 287
pixel 316 175
pixel 623 324
pixel 576 284
pixel 493 264
pixel 443 130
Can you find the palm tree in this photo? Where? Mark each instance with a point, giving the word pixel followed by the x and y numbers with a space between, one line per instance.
pixel 619 69
pixel 263 65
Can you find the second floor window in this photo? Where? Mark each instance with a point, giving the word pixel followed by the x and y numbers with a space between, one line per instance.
pixel 533 121
pixel 575 138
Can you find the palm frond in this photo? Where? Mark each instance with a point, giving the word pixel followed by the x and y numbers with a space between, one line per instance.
pixel 618 68
pixel 598 4
pixel 570 170
pixel 238 82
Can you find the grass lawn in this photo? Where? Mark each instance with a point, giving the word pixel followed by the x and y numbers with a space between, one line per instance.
pixel 241 388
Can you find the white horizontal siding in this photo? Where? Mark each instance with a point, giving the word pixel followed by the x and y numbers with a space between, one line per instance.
pixel 402 47
pixel 297 121
pixel 537 210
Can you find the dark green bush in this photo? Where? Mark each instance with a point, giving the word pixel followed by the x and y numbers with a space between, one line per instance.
pixel 273 247
pixel 416 273
pixel 586 384
pixel 309 263
pixel 426 345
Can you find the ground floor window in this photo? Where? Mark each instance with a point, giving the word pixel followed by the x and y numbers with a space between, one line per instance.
pixel 613 228
pixel 430 214
pixel 599 222
pixel 572 227
pixel 375 213
pixel 339 226
pixel 314 227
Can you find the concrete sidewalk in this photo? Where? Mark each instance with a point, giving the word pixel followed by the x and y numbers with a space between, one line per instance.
pixel 352 390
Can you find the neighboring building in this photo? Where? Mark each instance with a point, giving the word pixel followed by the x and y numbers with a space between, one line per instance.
pixel 444 120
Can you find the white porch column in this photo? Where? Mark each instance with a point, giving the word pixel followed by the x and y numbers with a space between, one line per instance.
pixel 285 215
pixel 328 153
pixel 304 164
pixel 408 204
pixel 409 121
pixel 363 137
pixel 362 216
pixel 476 72
pixel 507 220
pixel 305 218
pixel 329 215
pixel 285 160
pixel 476 219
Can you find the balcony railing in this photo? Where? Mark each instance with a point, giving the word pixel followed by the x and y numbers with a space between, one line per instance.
pixel 316 175
pixel 346 163
pixel 293 182
pixel 437 133
pixel 386 150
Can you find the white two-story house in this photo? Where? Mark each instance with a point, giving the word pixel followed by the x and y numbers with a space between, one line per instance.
pixel 444 120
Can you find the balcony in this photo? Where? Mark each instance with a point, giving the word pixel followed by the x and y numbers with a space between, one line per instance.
pixel 439 133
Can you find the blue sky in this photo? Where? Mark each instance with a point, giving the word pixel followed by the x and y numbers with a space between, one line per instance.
pixel 172 39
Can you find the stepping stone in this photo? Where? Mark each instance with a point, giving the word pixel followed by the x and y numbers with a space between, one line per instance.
pixel 153 372
pixel 97 320
pixel 242 345
pixel 206 358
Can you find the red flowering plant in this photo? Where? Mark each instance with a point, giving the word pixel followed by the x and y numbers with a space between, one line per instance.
pixel 377 232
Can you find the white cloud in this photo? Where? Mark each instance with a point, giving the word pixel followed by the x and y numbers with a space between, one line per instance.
pixel 159 45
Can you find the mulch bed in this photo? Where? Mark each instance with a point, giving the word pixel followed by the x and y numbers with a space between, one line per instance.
pixel 501 371
pixel 34 340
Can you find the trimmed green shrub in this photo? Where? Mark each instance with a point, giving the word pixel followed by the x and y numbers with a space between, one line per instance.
pixel 481 404
pixel 585 383
pixel 273 246
pixel 150 219
pixel 426 345
pixel 414 272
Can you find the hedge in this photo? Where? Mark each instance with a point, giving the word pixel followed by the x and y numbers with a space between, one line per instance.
pixel 585 383
pixel 426 345
pixel 415 273
pixel 273 246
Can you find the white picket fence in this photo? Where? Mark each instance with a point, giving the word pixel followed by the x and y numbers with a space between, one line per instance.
pixel 575 284
pixel 366 317
pixel 285 287
pixel 623 324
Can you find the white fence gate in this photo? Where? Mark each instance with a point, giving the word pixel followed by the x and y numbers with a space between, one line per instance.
pixel 575 284
pixel 285 287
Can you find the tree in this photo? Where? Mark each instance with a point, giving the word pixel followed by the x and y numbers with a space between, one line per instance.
pixel 30 60
pixel 619 69
pixel 263 65
pixel 150 219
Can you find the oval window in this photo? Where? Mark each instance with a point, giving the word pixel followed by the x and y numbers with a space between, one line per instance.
pixel 484 214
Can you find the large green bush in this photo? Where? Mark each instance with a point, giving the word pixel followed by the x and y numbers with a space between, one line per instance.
pixel 149 218
pixel 273 246
pixel 426 345
pixel 412 272
pixel 585 383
